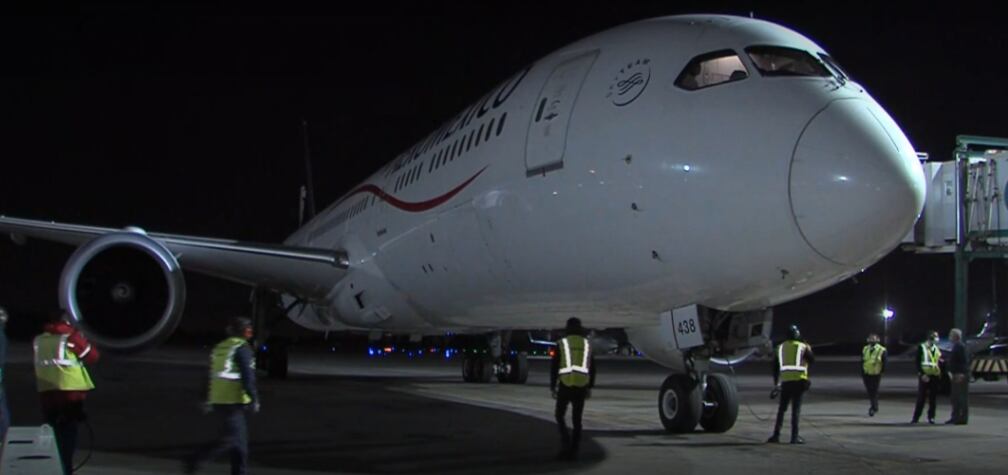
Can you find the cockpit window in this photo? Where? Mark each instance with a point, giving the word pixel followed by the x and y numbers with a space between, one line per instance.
pixel 781 61
pixel 710 69
pixel 837 70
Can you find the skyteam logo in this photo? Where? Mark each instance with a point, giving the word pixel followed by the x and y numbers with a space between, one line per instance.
pixel 631 81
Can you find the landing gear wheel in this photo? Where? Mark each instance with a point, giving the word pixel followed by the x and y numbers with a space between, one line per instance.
pixel 273 359
pixel 477 369
pixel 679 403
pixel 515 369
pixel 468 368
pixel 719 416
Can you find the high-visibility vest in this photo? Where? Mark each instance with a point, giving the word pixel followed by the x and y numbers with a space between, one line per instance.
pixel 793 367
pixel 871 359
pixel 575 352
pixel 225 378
pixel 929 360
pixel 57 367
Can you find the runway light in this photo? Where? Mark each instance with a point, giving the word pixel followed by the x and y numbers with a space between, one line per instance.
pixel 887 313
pixel 388 349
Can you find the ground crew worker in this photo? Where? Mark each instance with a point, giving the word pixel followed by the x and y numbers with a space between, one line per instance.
pixel 63 381
pixel 873 360
pixel 4 410
pixel 573 366
pixel 959 375
pixel 928 372
pixel 790 367
pixel 232 392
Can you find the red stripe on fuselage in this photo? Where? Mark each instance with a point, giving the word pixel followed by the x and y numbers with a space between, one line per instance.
pixel 413 207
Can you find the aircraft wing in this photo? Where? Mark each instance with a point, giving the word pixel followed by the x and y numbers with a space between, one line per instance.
pixel 306 272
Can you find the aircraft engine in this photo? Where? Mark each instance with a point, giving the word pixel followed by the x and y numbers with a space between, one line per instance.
pixel 124 290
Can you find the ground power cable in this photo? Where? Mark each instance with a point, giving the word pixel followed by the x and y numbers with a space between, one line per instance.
pixel 91 444
pixel 804 419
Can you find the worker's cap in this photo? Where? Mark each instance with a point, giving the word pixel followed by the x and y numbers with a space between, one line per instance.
pixel 574 325
pixel 793 332
pixel 237 325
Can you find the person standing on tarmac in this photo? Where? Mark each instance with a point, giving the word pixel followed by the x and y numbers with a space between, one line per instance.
pixel 791 368
pixel 928 372
pixel 573 366
pixel 4 410
pixel 959 368
pixel 63 381
pixel 232 392
pixel 873 360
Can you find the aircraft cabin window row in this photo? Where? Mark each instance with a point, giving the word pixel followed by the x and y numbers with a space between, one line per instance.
pixel 341 218
pixel 711 69
pixel 466 142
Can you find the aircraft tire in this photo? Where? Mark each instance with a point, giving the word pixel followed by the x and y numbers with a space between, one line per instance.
pixel 484 369
pixel 517 369
pixel 278 359
pixel 680 404
pixel 721 417
pixel 468 369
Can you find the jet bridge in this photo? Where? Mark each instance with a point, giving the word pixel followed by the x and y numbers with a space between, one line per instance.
pixel 965 212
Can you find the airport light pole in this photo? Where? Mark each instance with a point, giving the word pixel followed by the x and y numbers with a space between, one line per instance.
pixel 887 314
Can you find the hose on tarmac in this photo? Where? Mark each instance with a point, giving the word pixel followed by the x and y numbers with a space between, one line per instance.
pixel 815 427
pixel 90 431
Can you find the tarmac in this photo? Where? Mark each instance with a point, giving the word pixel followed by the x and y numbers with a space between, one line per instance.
pixel 340 413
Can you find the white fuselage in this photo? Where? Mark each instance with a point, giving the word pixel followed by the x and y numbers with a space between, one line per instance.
pixel 590 185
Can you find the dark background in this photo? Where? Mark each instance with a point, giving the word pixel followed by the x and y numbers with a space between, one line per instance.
pixel 188 121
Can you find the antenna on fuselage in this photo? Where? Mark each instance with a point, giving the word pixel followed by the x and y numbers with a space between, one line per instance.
pixel 308 189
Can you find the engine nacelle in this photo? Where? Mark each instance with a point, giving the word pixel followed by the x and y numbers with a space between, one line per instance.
pixel 114 312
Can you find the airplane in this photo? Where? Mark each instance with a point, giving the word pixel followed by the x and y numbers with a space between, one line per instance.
pixel 674 177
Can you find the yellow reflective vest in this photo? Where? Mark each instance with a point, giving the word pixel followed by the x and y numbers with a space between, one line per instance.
pixel 57 367
pixel 225 378
pixel 575 353
pixel 929 360
pixel 792 366
pixel 871 359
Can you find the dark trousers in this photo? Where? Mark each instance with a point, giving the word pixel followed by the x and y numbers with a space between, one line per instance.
pixel 960 399
pixel 871 383
pixel 4 415
pixel 232 438
pixel 64 419
pixel 791 392
pixel 930 391
pixel 576 398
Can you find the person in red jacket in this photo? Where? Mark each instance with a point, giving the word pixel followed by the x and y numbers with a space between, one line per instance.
pixel 63 382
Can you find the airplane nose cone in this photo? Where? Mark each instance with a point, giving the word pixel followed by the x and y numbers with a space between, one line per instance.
pixel 856 186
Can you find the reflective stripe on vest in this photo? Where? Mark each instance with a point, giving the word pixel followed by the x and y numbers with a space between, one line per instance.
pixel 871 357
pixel 57 368
pixel 571 374
pixel 225 379
pixel 792 370
pixel 929 360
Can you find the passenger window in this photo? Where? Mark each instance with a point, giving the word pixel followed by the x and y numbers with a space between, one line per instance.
pixel 710 69
pixel 781 61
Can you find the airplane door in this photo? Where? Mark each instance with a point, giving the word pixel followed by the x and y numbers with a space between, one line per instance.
pixel 547 137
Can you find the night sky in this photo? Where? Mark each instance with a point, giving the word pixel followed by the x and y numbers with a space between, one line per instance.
pixel 187 121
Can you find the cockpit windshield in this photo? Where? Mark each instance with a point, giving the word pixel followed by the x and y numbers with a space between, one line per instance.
pixel 837 70
pixel 781 61
pixel 711 69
